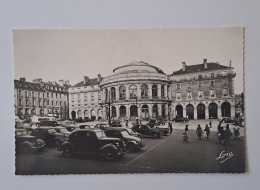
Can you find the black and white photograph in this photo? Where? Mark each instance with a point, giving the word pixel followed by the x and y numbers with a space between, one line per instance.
pixel 127 101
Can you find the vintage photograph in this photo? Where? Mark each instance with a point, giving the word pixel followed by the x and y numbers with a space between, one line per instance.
pixel 129 101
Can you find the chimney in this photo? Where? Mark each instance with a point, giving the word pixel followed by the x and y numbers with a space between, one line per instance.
pixel 205 63
pixel 98 78
pixel 54 83
pixel 61 82
pixel 22 79
pixel 183 66
pixel 230 63
pixel 85 79
pixel 67 82
pixel 37 80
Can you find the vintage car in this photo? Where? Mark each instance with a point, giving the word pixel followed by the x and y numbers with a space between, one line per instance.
pixel 93 142
pixel 49 123
pixel 132 142
pixel 147 131
pixel 159 125
pixel 131 132
pixel 71 128
pixel 101 126
pixel 26 143
pixel 49 135
pixel 63 130
pixel 180 119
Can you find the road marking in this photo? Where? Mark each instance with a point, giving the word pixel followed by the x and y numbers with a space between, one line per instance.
pixel 147 151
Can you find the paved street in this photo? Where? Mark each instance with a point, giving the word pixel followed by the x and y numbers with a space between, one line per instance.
pixel 168 154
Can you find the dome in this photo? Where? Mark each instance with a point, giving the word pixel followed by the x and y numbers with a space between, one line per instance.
pixel 137 67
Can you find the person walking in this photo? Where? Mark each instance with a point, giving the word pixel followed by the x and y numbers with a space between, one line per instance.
pixel 187 130
pixel 207 130
pixel 170 126
pixel 199 131
pixel 228 134
pixel 210 124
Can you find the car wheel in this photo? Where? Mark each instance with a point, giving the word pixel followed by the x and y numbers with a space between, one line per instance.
pixel 67 151
pixel 109 154
pixel 155 135
pixel 131 147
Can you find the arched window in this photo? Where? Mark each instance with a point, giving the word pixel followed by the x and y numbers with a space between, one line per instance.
pixel 122 111
pixel 134 111
pixel 155 111
pixel 113 93
pixel 122 93
pixel 144 91
pixel 133 91
pixel 154 91
pixel 145 111
pixel 113 111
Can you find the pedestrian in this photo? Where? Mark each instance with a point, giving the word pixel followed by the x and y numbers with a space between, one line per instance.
pixel 199 131
pixel 187 130
pixel 228 134
pixel 207 130
pixel 210 124
pixel 137 122
pixel 170 127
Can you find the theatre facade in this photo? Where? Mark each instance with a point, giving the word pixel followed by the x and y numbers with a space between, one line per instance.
pixel 140 90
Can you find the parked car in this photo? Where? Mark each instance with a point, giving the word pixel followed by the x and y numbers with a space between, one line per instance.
pixel 49 123
pixel 71 128
pixel 135 134
pixel 79 120
pixel 156 124
pixel 180 119
pixel 132 142
pixel 152 123
pixel 93 142
pixel 49 135
pixel 101 126
pixel 25 142
pixel 161 121
pixel 86 127
pixel 145 130
pixel 67 123
pixel 63 130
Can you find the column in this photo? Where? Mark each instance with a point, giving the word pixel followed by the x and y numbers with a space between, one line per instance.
pixel 159 91
pixel 219 112
pixel 138 91
pixel 184 111
pixel 117 112
pixel 117 92
pixel 165 91
pixel 195 112
pixel 159 110
pixel 127 111
pixel 127 92
pixel 206 112
pixel 150 110
pixel 166 111
pixel 140 112
pixel 150 91
pixel 232 110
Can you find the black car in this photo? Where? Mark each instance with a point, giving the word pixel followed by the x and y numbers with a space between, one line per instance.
pixel 49 135
pixel 63 130
pixel 180 119
pixel 226 120
pixel 135 134
pixel 132 142
pixel 26 143
pixel 156 124
pixel 145 130
pixel 86 127
pixel 49 123
pixel 71 128
pixel 93 142
pixel 152 123
pixel 101 126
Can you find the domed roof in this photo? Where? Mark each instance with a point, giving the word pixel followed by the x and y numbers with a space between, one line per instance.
pixel 137 67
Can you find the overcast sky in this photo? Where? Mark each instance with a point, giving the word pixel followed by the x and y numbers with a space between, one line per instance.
pixel 72 54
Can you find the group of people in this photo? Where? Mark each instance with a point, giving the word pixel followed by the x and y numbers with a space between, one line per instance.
pixel 199 131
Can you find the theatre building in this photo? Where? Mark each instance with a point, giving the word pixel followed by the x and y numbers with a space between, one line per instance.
pixel 136 90
pixel 203 91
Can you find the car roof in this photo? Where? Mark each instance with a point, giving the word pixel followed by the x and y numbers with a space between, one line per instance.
pixel 87 130
pixel 116 129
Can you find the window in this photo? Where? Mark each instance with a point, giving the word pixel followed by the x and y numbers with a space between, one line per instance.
pixel 224 73
pixel 133 91
pixel 144 91
pixel 26 102
pixel 212 83
pixel 122 92
pixel 225 81
pixel 78 95
pixel 47 94
pixel 56 95
pixel 178 79
pixel 188 77
pixel 113 93
pixel 48 102
pixel 154 91
pixel 26 93
pixel 19 92
pixel 189 95
pixel 200 84
pixel 225 91
pixel 212 93
pixel 39 94
pixel 188 84
pixel 200 76
pixel 122 111
pixel 212 75
pixel 20 102
pixel 52 102
pixel 200 94
pixel 178 95
pixel 57 103
pixel 52 94
pixel 40 103
pixel 178 86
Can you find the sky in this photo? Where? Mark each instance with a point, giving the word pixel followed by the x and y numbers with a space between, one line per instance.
pixel 71 54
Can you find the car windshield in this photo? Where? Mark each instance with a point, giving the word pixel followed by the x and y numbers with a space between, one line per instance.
pixel 100 134
pixel 63 130
pixel 51 131
pixel 125 133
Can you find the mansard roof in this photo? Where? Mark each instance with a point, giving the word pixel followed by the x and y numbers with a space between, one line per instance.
pixel 90 82
pixel 200 67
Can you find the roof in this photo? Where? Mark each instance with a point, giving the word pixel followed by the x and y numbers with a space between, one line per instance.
pixel 90 82
pixel 140 63
pixel 116 129
pixel 200 67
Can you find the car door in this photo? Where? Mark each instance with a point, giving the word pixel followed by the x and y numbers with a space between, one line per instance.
pixel 91 144
pixel 76 140
pixel 143 129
